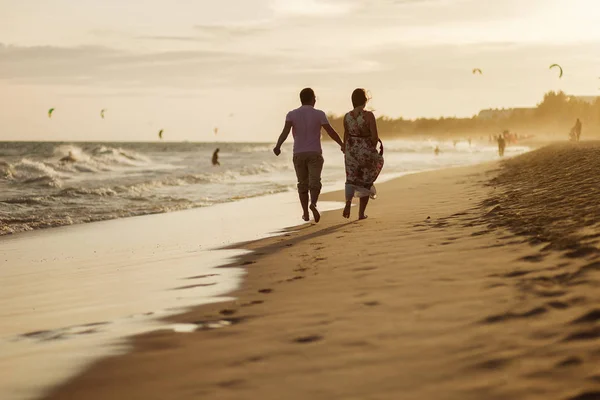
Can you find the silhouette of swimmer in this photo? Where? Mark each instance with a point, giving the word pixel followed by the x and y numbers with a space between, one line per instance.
pixel 215 158
pixel 69 158
pixel 437 150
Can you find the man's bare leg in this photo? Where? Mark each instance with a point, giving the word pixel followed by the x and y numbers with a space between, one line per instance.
pixel 304 204
pixel 362 207
pixel 346 213
pixel 314 197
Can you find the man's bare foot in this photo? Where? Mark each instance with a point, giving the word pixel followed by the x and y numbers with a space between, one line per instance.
pixel 360 217
pixel 346 213
pixel 315 213
pixel 305 217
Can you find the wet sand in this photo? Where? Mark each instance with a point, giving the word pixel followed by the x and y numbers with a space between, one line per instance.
pixel 458 286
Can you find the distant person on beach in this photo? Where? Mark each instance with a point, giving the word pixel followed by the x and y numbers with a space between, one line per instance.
pixel 437 150
pixel 577 129
pixel 215 158
pixel 305 123
pixel 501 145
pixel 363 161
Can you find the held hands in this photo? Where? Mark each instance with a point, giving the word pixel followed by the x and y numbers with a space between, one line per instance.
pixel 277 150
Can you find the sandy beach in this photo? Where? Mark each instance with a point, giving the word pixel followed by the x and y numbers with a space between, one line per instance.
pixel 466 283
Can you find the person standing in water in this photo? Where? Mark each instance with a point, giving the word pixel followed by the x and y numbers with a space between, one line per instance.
pixel 501 145
pixel 577 129
pixel 305 124
pixel 215 158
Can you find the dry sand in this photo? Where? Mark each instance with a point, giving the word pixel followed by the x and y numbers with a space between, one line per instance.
pixel 438 295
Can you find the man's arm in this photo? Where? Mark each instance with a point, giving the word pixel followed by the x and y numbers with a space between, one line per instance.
pixel 333 135
pixel 282 138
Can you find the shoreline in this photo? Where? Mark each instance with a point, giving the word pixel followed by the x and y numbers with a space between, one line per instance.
pixel 97 284
pixel 315 307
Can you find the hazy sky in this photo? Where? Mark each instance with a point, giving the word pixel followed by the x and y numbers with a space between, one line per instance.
pixel 186 66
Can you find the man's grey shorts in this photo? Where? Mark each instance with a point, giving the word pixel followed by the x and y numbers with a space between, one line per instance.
pixel 308 170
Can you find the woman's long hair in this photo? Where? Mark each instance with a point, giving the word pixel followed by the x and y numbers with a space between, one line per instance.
pixel 359 97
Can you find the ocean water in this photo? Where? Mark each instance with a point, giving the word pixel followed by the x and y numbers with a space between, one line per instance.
pixel 117 180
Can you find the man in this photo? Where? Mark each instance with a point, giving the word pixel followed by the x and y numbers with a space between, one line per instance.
pixel 215 158
pixel 502 143
pixel 577 129
pixel 305 123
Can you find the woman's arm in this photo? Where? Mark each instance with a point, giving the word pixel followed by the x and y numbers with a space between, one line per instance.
pixel 345 134
pixel 373 128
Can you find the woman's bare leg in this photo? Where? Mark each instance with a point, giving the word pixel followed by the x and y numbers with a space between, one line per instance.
pixel 362 207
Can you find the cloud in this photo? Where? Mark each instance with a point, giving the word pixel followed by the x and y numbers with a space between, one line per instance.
pixel 231 30
pixel 173 38
pixel 322 8
pixel 89 65
pixel 209 33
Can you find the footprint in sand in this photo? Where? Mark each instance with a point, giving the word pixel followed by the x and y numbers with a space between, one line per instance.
pixel 194 286
pixel 532 258
pixel 202 276
pixel 515 274
pixel 227 311
pixel 510 315
pixel 591 317
pixel 371 303
pixel 248 263
pixel 308 339
pixel 587 396
pixel 231 383
pixel 569 362
pixel 265 291
pixel 590 334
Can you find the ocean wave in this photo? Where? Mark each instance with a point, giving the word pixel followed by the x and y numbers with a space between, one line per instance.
pixel 255 149
pixel 262 168
pixel 31 172
pixel 99 157
pixel 69 161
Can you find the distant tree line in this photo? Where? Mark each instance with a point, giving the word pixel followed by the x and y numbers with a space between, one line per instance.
pixel 553 116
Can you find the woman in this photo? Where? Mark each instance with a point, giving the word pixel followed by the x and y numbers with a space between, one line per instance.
pixel 363 162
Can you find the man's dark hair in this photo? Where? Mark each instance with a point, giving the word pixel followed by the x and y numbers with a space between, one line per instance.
pixel 307 95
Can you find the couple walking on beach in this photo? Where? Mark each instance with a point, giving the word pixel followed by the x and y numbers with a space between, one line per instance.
pixel 362 160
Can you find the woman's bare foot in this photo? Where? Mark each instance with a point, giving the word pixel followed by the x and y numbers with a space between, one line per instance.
pixel 346 213
pixel 305 217
pixel 360 217
pixel 315 213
